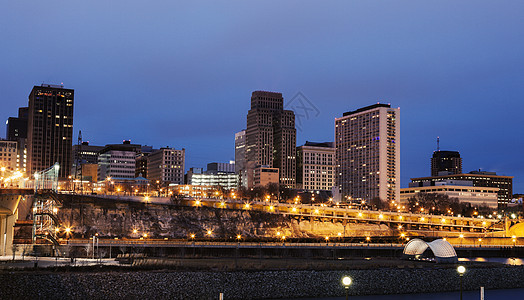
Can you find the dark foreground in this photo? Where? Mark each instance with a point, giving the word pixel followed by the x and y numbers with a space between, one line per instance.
pixel 251 283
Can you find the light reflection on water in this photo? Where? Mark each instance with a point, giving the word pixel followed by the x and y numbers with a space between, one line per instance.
pixel 514 261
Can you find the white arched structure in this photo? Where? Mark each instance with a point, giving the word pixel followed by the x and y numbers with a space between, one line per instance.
pixel 441 249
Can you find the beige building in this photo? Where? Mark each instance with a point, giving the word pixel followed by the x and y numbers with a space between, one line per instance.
pixel 90 172
pixel 9 157
pixel 316 166
pixel 265 175
pixel 478 178
pixel 166 165
pixel 367 144
pixel 477 196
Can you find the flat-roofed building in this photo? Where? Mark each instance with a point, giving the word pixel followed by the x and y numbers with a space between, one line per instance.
pixel 476 196
pixel 50 128
pixel 16 130
pixel 367 144
pixel 446 163
pixel 117 160
pixel 166 165
pixel 226 180
pixel 264 175
pixel 479 179
pixel 221 167
pixel 9 156
pixel 271 137
pixel 316 166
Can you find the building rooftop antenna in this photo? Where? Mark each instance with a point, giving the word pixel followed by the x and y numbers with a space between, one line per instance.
pixel 438 143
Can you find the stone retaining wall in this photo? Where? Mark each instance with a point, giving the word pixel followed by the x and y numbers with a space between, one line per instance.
pixel 248 285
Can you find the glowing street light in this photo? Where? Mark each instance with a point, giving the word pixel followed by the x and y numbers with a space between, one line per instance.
pixel 346 281
pixel 461 270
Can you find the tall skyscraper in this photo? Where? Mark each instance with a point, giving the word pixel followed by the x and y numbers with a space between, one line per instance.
pixel 446 163
pixel 271 137
pixel 240 151
pixel 368 153
pixel 240 157
pixel 50 128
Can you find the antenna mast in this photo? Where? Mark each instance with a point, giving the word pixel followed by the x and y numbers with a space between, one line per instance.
pixel 438 143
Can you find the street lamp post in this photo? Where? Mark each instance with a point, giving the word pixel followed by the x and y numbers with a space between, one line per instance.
pixel 346 281
pixel 461 270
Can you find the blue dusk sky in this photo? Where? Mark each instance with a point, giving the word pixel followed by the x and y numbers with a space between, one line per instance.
pixel 181 73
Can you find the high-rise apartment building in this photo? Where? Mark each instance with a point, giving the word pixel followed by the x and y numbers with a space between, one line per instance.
pixel 271 137
pixel 166 165
pixel 368 153
pixel 446 163
pixel 316 166
pixel 50 128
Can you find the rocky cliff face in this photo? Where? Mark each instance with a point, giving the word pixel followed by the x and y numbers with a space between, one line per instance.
pixel 131 219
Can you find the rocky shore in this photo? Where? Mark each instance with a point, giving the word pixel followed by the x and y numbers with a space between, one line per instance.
pixel 170 284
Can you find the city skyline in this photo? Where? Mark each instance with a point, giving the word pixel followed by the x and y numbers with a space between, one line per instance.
pixel 453 76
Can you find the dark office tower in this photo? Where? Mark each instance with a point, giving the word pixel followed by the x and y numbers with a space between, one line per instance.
pixel 446 163
pixel 271 137
pixel 16 130
pixel 50 128
pixel 17 127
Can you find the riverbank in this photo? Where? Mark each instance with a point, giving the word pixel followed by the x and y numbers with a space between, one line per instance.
pixel 134 283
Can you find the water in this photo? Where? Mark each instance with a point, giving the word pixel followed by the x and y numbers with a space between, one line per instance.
pixel 468 295
pixel 507 261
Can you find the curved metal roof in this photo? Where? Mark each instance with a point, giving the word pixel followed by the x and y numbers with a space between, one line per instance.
pixel 415 247
pixel 441 249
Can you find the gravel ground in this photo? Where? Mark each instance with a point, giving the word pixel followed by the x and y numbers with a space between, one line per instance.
pixel 246 284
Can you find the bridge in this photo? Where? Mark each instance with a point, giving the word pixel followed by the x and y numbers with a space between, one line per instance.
pixel 406 222
pixel 44 210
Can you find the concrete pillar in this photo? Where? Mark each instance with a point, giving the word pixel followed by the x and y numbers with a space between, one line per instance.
pixel 3 219
pixel 7 224
pixel 10 231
